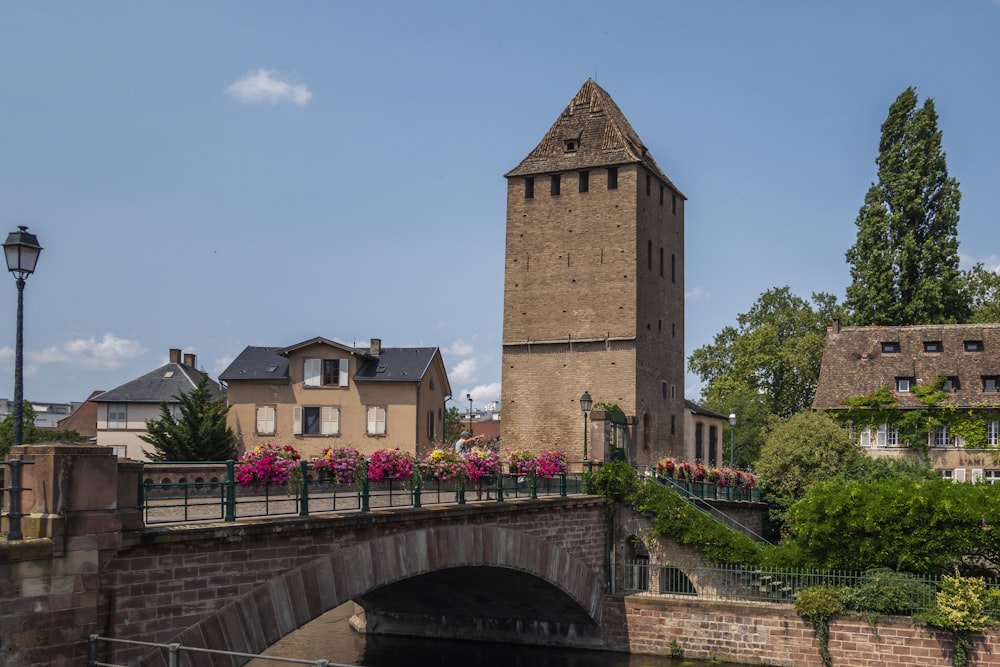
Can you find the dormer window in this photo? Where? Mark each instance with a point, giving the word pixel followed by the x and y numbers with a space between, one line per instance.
pixel 571 145
pixel 903 385
pixel 990 383
pixel 973 346
pixel 951 384
pixel 932 346
pixel 890 347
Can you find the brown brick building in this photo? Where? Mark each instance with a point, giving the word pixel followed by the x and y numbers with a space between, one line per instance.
pixel 593 286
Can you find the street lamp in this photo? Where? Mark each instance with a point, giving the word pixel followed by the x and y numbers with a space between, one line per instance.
pixel 732 437
pixel 586 403
pixel 21 250
pixel 469 396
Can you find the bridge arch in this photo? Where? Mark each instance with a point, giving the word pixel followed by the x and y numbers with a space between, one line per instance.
pixel 261 617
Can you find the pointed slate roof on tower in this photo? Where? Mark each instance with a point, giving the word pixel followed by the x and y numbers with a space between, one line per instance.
pixel 591 132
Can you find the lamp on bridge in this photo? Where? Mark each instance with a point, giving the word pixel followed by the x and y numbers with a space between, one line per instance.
pixel 732 437
pixel 586 403
pixel 21 250
pixel 469 396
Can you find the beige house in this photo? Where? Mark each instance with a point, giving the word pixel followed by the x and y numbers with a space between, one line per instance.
pixel 122 412
pixel 320 393
pixel 705 432
pixel 963 358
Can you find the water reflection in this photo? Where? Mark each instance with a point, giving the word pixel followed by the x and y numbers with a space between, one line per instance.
pixel 331 637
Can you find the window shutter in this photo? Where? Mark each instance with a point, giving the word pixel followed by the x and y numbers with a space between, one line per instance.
pixel 959 475
pixel 880 437
pixel 265 419
pixel 344 377
pixel 312 372
pixel 297 420
pixel 331 421
pixel 977 475
pixel 866 437
pixel 376 421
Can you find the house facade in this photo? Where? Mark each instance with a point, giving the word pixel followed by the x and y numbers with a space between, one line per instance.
pixel 919 391
pixel 705 433
pixel 122 412
pixel 320 393
pixel 593 285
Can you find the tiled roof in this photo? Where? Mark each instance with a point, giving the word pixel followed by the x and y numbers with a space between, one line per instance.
pixel 393 364
pixel 854 363
pixel 258 363
pixel 163 384
pixel 601 134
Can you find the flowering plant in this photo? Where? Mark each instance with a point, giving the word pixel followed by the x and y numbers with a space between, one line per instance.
pixel 666 466
pixel 444 465
pixel 482 463
pixel 550 463
pixel 268 464
pixel 344 463
pixel 388 464
pixel 521 461
pixel 745 479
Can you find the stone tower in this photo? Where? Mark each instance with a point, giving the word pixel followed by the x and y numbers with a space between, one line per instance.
pixel 593 287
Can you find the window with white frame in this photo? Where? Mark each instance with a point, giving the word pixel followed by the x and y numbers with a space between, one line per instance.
pixel 117 415
pixel 118 450
pixel 903 385
pixel 265 419
pixel 943 437
pixel 325 372
pixel 993 432
pixel 992 476
pixel 376 420
pixel 316 420
pixel 887 437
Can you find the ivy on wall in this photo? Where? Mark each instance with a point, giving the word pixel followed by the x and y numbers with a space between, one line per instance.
pixel 914 424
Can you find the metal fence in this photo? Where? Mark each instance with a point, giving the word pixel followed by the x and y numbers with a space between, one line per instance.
pixel 220 498
pixel 175 653
pixel 911 593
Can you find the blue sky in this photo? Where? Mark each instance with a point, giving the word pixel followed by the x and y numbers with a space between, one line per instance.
pixel 212 175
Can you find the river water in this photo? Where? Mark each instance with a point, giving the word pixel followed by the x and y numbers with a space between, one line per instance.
pixel 331 637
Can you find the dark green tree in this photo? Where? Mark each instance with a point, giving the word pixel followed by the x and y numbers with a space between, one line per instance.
pixel 774 351
pixel 904 263
pixel 199 433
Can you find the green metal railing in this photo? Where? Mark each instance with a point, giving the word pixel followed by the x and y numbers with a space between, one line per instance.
pixel 750 584
pixel 222 499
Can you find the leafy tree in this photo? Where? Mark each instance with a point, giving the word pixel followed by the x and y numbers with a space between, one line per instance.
pixel 453 424
pixel 200 433
pixel 31 433
pixel 798 452
pixel 926 526
pixel 904 263
pixel 982 290
pixel 774 351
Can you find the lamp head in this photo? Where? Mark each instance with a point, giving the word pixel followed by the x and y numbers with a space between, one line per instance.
pixel 732 419
pixel 21 250
pixel 586 403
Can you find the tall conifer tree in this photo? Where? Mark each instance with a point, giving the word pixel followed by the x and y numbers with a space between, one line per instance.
pixel 198 433
pixel 904 263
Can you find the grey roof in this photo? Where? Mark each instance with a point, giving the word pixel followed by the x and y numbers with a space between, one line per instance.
pixel 397 364
pixel 258 363
pixel 854 363
pixel 163 384
pixel 703 411
pixel 602 134
pixel 393 364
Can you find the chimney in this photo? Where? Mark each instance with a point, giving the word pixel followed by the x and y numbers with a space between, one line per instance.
pixel 190 360
pixel 175 355
pixel 376 347
pixel 836 326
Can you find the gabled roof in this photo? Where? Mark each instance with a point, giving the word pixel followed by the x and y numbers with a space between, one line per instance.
pixel 392 364
pixel 703 411
pixel 855 363
pixel 397 364
pixel 258 363
pixel 601 134
pixel 163 384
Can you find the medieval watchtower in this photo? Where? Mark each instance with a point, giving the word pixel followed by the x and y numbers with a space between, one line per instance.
pixel 593 285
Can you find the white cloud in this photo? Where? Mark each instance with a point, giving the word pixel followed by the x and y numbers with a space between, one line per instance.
pixel 266 85
pixel 697 294
pixel 485 393
pixel 459 349
pixel 109 353
pixel 465 371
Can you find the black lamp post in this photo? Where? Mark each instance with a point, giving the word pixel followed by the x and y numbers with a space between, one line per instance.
pixel 469 396
pixel 586 403
pixel 732 437
pixel 21 250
